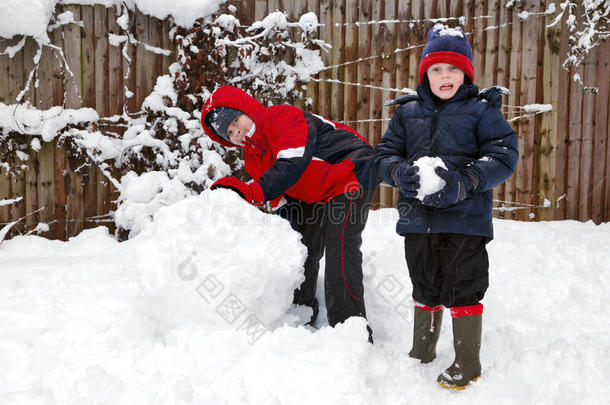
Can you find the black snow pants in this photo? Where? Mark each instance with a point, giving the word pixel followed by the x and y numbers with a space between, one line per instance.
pixel 447 268
pixel 334 228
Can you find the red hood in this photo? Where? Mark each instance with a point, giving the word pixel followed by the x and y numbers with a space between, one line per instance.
pixel 229 96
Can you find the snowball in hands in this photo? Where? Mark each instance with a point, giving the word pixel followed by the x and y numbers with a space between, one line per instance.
pixel 429 182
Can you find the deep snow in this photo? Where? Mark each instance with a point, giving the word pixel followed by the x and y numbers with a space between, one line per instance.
pixel 196 310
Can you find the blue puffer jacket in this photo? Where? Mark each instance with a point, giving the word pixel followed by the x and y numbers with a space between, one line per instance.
pixel 470 134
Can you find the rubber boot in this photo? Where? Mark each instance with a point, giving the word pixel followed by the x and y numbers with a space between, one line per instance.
pixel 426 331
pixel 467 343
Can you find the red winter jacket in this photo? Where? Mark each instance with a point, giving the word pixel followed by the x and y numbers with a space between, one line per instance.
pixel 296 153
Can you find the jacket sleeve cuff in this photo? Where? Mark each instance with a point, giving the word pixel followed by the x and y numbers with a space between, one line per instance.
pixel 388 164
pixel 475 181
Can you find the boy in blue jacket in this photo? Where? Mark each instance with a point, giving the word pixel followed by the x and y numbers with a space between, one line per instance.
pixel 446 233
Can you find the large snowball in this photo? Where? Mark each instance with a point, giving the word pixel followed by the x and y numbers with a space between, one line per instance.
pixel 429 181
pixel 218 260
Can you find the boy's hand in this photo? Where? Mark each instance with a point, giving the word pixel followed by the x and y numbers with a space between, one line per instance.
pixel 457 188
pixel 406 178
pixel 251 192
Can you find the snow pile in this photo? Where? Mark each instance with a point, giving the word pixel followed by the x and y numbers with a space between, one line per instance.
pixel 443 30
pixel 25 17
pixel 171 316
pixel 10 201
pixel 184 12
pixel 216 246
pixel 31 17
pixel 538 108
pixel 429 181
pixel 142 195
pixel 28 120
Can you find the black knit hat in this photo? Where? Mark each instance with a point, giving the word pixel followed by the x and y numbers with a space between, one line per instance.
pixel 219 119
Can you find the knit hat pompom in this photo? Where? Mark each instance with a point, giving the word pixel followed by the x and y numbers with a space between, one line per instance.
pixel 447 45
pixel 219 119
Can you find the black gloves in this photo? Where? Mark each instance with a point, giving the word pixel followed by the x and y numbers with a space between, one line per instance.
pixel 458 187
pixel 406 178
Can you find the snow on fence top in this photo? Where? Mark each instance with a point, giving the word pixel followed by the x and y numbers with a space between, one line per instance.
pixel 31 17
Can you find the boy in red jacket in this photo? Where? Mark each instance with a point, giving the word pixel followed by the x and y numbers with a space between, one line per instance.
pixel 327 173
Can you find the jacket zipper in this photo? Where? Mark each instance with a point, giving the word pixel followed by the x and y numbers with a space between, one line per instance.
pixel 433 137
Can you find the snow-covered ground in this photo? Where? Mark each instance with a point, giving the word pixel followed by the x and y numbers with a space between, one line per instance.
pixel 196 310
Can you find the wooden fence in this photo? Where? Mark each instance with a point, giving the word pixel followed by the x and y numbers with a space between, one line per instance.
pixel 563 170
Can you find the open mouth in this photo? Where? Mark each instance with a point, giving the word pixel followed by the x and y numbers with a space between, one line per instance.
pixel 446 87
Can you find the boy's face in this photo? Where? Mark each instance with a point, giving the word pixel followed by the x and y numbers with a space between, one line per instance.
pixel 238 129
pixel 445 80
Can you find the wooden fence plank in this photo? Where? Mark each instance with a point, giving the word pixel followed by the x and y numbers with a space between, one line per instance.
pixel 74 187
pixel 401 58
pixel 88 91
pixel 115 67
pixel 260 8
pixel 312 86
pixel 514 100
pixel 375 101
pixel 388 81
pixel 31 190
pixel 92 78
pixel 491 45
pixel 4 81
pixel 337 57
pixel 417 40
pixel 377 43
pixel 549 139
pixel 403 31
pixel 600 134
pixel 364 68
pixel 15 76
pixel 155 27
pixel 166 42
pixel 129 80
pixel 606 215
pixel 324 101
pixel 102 102
pixel 574 141
pixel 562 128
pixel 245 12
pixel 144 59
pixel 586 149
pixel 18 190
pixel 44 78
pixel 502 79
pixel 29 52
pixel 44 181
pixel 102 86
pixel 479 42
pixel 72 50
pixel 528 134
pixel 5 194
pixel 45 190
pixel 272 6
pixel 455 8
pixel 442 8
pixel 59 160
pixel 5 176
pixel 350 98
